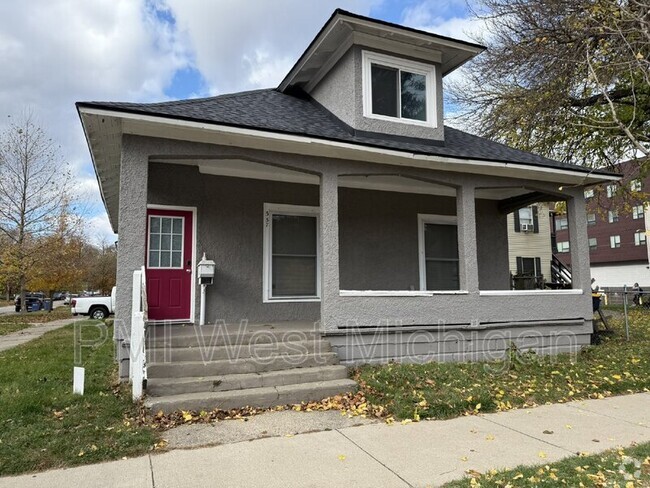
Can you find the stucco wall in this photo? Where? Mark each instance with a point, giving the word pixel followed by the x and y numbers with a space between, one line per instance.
pixel 230 218
pixel 378 237
pixel 492 251
pixel 336 90
pixel 340 91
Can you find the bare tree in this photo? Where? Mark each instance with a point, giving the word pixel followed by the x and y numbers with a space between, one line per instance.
pixel 35 191
pixel 569 79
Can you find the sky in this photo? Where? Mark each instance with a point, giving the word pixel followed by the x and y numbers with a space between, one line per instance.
pixel 54 53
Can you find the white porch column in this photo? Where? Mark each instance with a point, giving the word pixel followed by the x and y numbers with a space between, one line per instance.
pixel 132 224
pixel 578 241
pixel 329 247
pixel 467 254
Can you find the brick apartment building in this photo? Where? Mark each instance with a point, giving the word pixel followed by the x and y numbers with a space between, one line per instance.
pixel 617 226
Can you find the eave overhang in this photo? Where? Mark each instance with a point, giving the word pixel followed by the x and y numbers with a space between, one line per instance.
pixel 343 29
pixel 104 129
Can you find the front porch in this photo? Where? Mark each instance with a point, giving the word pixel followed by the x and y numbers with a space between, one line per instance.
pixel 376 286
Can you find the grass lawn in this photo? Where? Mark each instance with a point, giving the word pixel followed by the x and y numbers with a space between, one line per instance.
pixel 15 322
pixel 43 425
pixel 446 390
pixel 628 467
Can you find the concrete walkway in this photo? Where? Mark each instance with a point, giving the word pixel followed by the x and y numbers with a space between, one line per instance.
pixel 378 455
pixel 17 338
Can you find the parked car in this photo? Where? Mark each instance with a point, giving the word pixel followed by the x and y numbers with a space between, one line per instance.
pixel 31 299
pixel 95 307
pixel 59 295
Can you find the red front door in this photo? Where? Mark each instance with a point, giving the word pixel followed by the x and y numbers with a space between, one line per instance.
pixel 169 264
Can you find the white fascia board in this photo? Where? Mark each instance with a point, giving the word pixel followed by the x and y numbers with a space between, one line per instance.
pixel 350 151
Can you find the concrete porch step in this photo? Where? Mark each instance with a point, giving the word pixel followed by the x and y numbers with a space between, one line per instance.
pixel 184 369
pixel 177 386
pixel 254 397
pixel 206 336
pixel 162 354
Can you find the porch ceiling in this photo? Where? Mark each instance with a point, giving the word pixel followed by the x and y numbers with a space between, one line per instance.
pixel 240 168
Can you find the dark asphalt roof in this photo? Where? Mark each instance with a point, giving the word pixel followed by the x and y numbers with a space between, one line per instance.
pixel 271 110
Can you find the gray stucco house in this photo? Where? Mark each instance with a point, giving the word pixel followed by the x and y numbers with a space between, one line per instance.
pixel 338 198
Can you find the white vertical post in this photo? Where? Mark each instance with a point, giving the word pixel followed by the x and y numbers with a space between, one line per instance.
pixel 202 316
pixel 646 221
pixel 135 307
pixel 136 363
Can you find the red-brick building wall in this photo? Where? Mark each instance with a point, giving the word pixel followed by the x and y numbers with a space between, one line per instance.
pixel 602 230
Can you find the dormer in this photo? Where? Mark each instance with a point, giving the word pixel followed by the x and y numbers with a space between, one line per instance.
pixel 379 77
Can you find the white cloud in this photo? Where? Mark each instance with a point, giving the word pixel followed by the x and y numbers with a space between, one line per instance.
pixel 243 45
pixel 98 231
pixel 57 52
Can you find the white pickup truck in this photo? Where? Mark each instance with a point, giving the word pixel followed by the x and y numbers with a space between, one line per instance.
pixel 96 307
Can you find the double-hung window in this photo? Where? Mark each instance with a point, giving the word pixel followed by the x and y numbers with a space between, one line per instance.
pixel 398 89
pixel 291 256
pixel 438 243
pixel 614 242
pixel 637 212
pixel 640 238
pixel 563 246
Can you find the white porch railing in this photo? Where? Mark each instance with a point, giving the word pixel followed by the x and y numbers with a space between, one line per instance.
pixel 139 316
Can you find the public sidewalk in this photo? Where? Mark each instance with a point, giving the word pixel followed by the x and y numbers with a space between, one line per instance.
pixel 379 455
pixel 17 338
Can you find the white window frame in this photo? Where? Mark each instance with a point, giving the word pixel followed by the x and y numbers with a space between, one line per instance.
pixel 636 184
pixel 612 216
pixel 271 209
pixel 427 70
pixel 589 194
pixel 595 241
pixel 591 221
pixel 640 238
pixel 182 266
pixel 611 190
pixel 615 242
pixel 431 219
pixel 562 223
pixel 563 248
pixel 637 212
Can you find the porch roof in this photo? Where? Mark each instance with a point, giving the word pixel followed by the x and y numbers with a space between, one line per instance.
pixel 295 118
pixel 273 111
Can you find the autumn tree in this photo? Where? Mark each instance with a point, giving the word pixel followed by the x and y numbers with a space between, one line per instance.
pixel 35 190
pixel 102 268
pixel 60 264
pixel 568 79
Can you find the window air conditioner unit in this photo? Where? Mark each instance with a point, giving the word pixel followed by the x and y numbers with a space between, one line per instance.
pixel 526 227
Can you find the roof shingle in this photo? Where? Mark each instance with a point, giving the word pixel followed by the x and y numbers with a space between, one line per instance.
pixel 271 110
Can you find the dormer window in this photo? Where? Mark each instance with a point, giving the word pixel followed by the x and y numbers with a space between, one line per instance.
pixel 398 90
